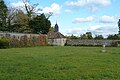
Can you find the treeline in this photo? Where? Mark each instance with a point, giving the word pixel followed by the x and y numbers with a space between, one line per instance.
pixel 24 20
pixel 88 35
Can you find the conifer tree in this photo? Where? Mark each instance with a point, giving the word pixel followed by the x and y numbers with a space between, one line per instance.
pixel 3 16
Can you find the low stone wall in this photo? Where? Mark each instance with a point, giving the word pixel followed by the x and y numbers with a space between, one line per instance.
pixel 77 42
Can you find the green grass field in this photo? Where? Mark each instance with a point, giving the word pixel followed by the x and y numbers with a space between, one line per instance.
pixel 60 63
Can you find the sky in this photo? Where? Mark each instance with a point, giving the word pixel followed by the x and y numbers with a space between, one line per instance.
pixel 77 17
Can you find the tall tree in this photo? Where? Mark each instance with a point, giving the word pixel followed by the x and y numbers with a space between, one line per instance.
pixel 119 26
pixel 40 24
pixel 31 9
pixel 84 36
pixel 20 22
pixel 89 35
pixel 73 37
pixel 3 16
pixel 113 37
pixel 48 15
pixel 10 16
pixel 99 37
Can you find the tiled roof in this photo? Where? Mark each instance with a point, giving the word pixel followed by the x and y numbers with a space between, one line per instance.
pixel 52 35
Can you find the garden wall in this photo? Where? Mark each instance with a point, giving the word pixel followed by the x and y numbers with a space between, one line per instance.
pixel 77 42
pixel 24 40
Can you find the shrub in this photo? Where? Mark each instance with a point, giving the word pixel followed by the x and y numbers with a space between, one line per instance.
pixel 4 43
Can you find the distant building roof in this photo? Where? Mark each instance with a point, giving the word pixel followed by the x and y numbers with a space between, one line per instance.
pixel 53 35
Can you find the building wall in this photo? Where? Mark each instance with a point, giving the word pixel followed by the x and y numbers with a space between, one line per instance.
pixel 57 42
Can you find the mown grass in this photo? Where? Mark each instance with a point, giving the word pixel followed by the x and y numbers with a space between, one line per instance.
pixel 60 63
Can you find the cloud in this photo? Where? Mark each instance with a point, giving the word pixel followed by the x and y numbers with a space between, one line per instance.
pixel 88 2
pixel 104 30
pixel 93 5
pixel 68 11
pixel 83 20
pixel 54 8
pixel 107 19
pixel 19 4
pixel 76 31
pixel 102 19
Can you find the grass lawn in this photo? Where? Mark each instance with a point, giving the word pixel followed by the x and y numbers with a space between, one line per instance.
pixel 60 63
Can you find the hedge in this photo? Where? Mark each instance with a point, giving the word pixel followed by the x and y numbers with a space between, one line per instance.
pixel 4 43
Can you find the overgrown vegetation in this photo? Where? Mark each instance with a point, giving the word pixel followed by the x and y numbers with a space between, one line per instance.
pixel 60 63
pixel 4 43
pixel 24 41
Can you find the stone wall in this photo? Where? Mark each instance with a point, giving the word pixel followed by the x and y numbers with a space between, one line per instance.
pixel 24 40
pixel 77 42
pixel 32 39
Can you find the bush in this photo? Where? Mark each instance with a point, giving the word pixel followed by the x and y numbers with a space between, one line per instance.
pixel 4 43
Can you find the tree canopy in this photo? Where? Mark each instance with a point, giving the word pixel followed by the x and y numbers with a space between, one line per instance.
pixel 87 35
pixel 3 16
pixel 114 37
pixel 99 37
pixel 24 21
pixel 40 24
pixel 20 22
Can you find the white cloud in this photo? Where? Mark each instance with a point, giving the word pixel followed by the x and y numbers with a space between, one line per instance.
pixel 83 20
pixel 94 27
pixel 104 30
pixel 93 8
pixel 75 31
pixel 93 5
pixel 107 19
pixel 88 2
pixel 68 11
pixel 19 4
pixel 54 8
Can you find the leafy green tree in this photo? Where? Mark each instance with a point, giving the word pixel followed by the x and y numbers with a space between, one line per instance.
pixel 73 37
pixel 89 35
pixel 10 16
pixel 113 37
pixel 33 13
pixel 51 29
pixel 84 36
pixel 3 16
pixel 31 9
pixel 40 24
pixel 20 22
pixel 99 37
pixel 119 26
